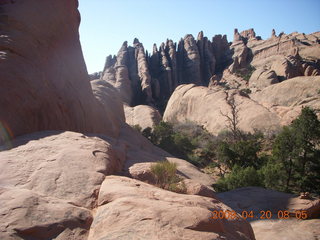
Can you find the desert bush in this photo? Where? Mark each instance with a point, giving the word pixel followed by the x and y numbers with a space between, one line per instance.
pixel 243 152
pixel 273 175
pixel 238 177
pixel 165 174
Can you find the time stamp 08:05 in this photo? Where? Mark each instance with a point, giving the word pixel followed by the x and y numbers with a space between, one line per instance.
pixel 298 214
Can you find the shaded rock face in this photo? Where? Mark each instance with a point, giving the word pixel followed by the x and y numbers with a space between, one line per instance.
pixel 262 78
pixel 44 81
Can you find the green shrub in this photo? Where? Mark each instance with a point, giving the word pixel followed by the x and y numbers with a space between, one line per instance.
pixel 166 178
pixel 239 177
pixel 272 175
pixel 243 152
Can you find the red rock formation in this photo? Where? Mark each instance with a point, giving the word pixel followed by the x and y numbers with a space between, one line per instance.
pixel 44 81
pixel 248 34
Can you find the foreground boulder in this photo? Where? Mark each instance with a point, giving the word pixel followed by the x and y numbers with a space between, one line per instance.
pixel 132 209
pixel 50 181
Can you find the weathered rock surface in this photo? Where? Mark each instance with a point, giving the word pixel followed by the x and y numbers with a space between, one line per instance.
pixel 262 78
pixel 152 79
pixel 142 115
pixel 128 73
pixel 44 81
pixel 63 171
pixel 206 107
pixel 196 61
pixel 130 208
pixel 265 110
pixel 108 96
pixel 265 52
pixel 287 98
pixel 49 182
pixel 26 214
pixel 195 188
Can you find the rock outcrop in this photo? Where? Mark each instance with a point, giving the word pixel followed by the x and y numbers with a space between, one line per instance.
pixel 262 78
pixel 196 61
pixel 152 79
pixel 44 81
pixel 265 110
pixel 55 184
pixel 207 108
pixel 142 115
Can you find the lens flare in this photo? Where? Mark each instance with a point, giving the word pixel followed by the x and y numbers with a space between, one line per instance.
pixel 6 136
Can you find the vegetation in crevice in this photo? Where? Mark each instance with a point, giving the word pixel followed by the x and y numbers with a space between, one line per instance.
pixel 166 177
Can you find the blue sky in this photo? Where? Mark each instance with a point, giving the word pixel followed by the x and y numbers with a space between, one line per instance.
pixel 106 24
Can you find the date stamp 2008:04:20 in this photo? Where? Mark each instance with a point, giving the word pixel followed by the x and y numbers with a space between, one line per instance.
pixel 251 215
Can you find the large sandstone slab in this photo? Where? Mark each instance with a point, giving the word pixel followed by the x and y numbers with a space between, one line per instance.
pixel 130 209
pixel 207 108
pixel 50 181
pixel 27 214
pixel 65 165
pixel 286 229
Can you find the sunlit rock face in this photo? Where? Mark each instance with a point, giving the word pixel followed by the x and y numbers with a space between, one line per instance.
pixel 143 78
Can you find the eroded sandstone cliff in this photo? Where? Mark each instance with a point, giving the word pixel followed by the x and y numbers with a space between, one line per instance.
pixel 207 62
